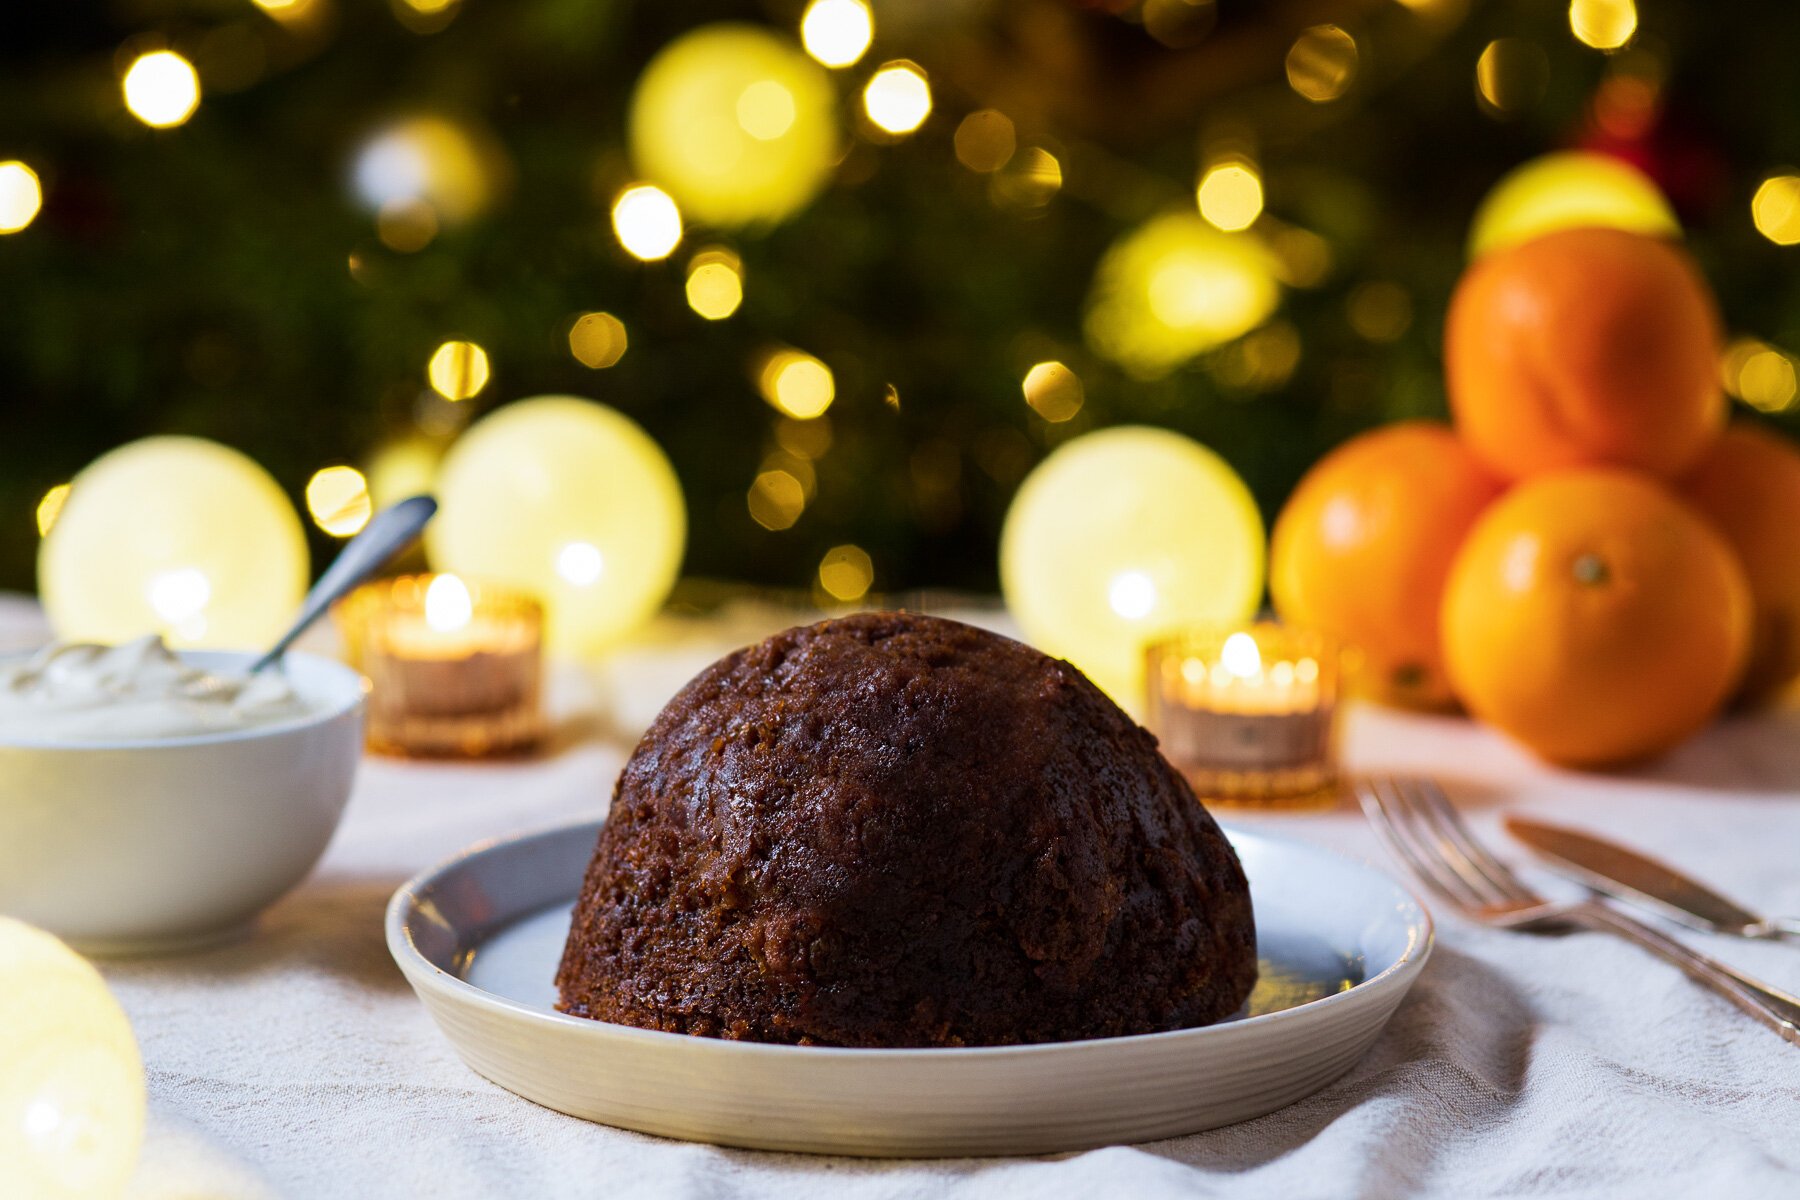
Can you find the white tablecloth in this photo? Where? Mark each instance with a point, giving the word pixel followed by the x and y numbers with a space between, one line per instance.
pixel 298 1063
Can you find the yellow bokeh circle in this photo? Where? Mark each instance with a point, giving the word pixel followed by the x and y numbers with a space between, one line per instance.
pixel 1568 190
pixel 1124 535
pixel 178 536
pixel 736 123
pixel 572 501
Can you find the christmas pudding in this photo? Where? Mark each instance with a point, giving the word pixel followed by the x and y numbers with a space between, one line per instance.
pixel 898 830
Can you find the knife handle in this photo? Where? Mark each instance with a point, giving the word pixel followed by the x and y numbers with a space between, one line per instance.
pixel 1769 1005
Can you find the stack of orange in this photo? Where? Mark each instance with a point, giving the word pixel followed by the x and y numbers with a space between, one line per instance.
pixel 1589 561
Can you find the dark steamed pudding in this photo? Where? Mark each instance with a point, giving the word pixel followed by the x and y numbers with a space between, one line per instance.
pixel 899 830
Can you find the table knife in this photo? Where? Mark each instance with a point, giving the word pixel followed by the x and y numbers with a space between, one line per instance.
pixel 1629 876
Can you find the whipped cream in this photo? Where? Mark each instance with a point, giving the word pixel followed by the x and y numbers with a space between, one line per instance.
pixel 77 692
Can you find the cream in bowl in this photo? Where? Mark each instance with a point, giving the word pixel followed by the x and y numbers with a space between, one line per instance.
pixel 152 801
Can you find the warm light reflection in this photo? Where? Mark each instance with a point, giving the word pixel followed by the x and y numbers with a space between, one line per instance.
pixel 457 370
pixel 796 383
pixel 448 604
pixel 647 222
pixel 597 340
pixel 406 226
pixel 985 140
pixel 1321 64
pixel 897 98
pixel 1231 195
pixel 837 32
pixel 1053 391
pixel 21 196
pixel 50 506
pixel 339 501
pixel 161 89
pixel 179 599
pixel 1240 656
pixel 846 573
pixel 1776 209
pixel 1603 24
pixel 715 283
pixel 765 110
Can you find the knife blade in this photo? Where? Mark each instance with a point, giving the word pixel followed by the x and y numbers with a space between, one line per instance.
pixel 1627 875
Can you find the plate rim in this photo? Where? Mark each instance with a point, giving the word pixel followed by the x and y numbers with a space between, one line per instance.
pixel 422 972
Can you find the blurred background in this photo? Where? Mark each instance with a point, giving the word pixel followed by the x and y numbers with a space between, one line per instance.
pixel 941 237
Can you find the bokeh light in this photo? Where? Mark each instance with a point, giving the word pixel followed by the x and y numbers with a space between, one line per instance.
pixel 647 222
pixel 846 573
pixel 49 506
pixel 1029 179
pixel 897 98
pixel 715 283
pixel 598 340
pixel 1054 392
pixel 1567 190
pixel 985 140
pixel 1230 195
pixel 776 499
pixel 21 196
pixel 1603 24
pixel 1321 64
pixel 796 383
pixel 161 89
pixel 1776 209
pixel 1175 287
pixel 1124 534
pixel 736 123
pixel 1760 375
pixel 571 501
pixel 1179 24
pixel 423 171
pixel 338 500
pixel 1379 310
pixel 71 1078
pixel 457 370
pixel 177 536
pixel 1511 76
pixel 401 468
pixel 837 32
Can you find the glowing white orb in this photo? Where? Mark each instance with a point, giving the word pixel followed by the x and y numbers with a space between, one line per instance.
pixel 177 536
pixel 572 501
pixel 736 123
pixel 1124 535
pixel 71 1081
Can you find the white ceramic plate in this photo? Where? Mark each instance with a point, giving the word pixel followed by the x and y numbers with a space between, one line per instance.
pixel 479 939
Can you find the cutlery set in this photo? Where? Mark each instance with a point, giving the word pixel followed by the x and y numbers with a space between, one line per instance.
pixel 1422 828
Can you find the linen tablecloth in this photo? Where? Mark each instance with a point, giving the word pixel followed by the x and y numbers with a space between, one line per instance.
pixel 298 1063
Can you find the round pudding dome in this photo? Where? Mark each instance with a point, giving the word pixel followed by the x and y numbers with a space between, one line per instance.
pixel 899 830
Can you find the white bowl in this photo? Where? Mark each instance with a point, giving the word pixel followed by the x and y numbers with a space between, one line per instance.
pixel 151 846
pixel 480 936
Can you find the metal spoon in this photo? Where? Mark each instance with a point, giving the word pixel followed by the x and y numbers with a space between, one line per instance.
pixel 389 532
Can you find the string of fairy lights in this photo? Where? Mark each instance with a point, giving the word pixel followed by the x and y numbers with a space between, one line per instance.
pixel 1208 277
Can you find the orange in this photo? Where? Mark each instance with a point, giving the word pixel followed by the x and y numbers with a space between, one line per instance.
pixel 1748 486
pixel 1362 548
pixel 1595 618
pixel 1584 347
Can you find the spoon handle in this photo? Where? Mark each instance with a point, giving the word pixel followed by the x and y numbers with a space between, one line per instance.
pixel 391 530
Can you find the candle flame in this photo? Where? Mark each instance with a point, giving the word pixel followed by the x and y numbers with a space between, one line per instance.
pixel 448 605
pixel 1240 656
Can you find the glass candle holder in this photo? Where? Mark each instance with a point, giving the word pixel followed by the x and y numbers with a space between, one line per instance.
pixel 1248 714
pixel 455 669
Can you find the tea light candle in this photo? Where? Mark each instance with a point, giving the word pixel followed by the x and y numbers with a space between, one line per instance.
pixel 1248 715
pixel 455 670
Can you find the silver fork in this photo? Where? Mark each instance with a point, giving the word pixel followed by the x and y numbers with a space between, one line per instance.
pixel 1422 828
